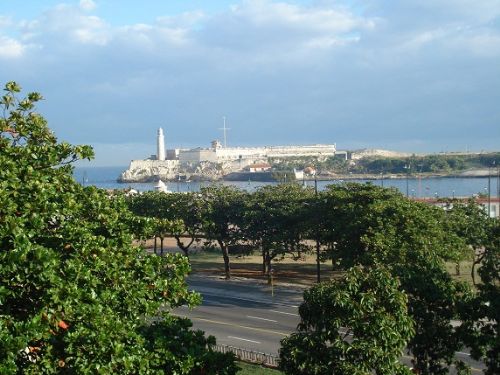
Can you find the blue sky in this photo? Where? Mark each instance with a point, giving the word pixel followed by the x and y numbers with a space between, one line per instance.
pixel 411 75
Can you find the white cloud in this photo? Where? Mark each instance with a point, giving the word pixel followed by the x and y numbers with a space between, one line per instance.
pixel 87 5
pixel 262 13
pixel 183 20
pixel 5 21
pixel 483 44
pixel 262 23
pixel 10 48
pixel 92 30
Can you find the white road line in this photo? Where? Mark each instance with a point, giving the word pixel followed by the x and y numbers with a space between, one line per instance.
pixel 239 338
pixel 468 354
pixel 244 299
pixel 282 312
pixel 256 317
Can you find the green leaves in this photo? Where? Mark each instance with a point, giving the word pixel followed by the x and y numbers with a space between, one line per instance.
pixel 75 295
pixel 356 325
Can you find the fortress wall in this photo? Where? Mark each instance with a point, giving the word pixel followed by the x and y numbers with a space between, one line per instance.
pixel 254 153
pixel 275 151
pixel 190 156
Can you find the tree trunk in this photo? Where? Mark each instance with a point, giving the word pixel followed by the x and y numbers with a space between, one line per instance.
pixel 225 256
pixel 184 248
pixel 161 246
pixel 269 268
pixel 263 259
pixel 155 247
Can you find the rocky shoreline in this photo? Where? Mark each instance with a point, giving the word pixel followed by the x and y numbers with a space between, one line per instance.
pixel 211 174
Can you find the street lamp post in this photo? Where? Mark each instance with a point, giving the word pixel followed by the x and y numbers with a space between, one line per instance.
pixel 498 181
pixel 489 191
pixel 318 265
pixel 407 167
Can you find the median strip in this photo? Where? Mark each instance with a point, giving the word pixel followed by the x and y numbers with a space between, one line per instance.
pixel 267 320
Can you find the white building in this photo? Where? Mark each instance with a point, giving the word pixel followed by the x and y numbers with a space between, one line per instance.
pixel 218 154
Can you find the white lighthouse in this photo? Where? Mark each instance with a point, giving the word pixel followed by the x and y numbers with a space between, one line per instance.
pixel 160 154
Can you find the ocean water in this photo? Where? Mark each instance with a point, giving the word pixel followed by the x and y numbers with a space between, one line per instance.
pixel 105 177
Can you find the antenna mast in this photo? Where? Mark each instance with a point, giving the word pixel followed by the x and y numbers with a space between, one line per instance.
pixel 224 129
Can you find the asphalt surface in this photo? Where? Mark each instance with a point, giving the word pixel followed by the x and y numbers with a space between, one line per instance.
pixel 245 314
pixel 252 315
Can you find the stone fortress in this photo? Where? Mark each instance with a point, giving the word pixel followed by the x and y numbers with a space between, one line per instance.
pixel 211 163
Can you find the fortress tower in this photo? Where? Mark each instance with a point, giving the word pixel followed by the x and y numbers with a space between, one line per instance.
pixel 160 153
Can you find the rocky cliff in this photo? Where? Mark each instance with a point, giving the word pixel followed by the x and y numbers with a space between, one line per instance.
pixel 150 170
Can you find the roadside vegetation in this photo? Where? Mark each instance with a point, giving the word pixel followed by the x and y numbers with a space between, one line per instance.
pixel 372 237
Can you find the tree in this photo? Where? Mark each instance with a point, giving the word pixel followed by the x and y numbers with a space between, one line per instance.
pixel 276 220
pixel 371 225
pixel 480 313
pixel 471 223
pixel 75 295
pixel 222 210
pixel 183 208
pixel 355 325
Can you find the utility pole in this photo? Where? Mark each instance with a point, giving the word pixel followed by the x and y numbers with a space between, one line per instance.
pixel 489 190
pixel 318 264
pixel 407 167
pixel 498 183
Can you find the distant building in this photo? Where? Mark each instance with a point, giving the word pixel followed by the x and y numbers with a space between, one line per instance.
pixel 218 154
pixel 259 167
pixel 167 164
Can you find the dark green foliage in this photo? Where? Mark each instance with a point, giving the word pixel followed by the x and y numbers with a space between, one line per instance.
pixel 185 209
pixel 370 226
pixel 277 220
pixel 481 313
pixel 222 216
pixel 356 325
pixel 75 295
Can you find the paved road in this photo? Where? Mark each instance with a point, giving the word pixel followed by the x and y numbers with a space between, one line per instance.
pixel 243 315
pixel 252 315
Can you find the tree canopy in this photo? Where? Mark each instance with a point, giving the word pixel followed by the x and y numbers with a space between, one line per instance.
pixel 355 325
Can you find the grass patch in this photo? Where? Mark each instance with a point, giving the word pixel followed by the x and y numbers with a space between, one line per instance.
pixel 251 369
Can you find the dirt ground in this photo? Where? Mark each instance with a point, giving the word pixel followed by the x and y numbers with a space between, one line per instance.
pixel 285 271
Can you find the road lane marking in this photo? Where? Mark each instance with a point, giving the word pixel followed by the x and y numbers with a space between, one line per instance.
pixel 282 312
pixel 263 302
pixel 473 369
pixel 267 320
pixel 237 325
pixel 467 354
pixel 239 338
